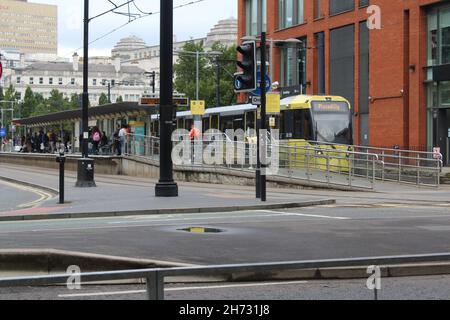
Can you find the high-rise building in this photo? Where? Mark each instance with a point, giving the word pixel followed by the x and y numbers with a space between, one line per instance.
pixel 28 27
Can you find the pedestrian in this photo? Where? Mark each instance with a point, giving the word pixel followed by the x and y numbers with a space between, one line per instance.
pixel 194 135
pixel 122 137
pixel 96 138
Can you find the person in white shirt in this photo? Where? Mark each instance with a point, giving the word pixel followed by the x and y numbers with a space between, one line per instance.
pixel 122 135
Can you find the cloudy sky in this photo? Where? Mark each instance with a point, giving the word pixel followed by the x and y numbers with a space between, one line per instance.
pixel 190 22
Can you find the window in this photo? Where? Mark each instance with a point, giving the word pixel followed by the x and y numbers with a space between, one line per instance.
pixel 50 81
pixel 339 6
pixel 364 3
pixel 72 81
pixel 290 13
pixel 18 80
pixel 94 82
pixel 31 80
pixel 60 81
pixel 439 37
pixel 41 80
pixel 444 35
pixel 317 9
pixel 293 60
pixel 254 10
pixel 444 93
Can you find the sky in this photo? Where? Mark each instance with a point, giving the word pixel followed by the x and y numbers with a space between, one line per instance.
pixel 192 21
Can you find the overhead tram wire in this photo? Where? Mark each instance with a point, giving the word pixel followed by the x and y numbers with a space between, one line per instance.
pixel 137 17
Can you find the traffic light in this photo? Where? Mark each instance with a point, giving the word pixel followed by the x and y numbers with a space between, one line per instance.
pixel 246 80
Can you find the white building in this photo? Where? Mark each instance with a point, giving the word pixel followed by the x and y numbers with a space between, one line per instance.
pixel 129 82
pixel 133 51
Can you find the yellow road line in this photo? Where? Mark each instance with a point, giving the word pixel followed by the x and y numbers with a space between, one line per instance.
pixel 43 195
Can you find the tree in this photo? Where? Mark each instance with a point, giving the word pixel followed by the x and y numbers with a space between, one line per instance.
pixel 29 103
pixel 227 62
pixel 75 101
pixel 186 71
pixel 119 99
pixel 103 99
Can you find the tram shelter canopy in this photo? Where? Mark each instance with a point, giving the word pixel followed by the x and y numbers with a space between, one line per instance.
pixel 109 111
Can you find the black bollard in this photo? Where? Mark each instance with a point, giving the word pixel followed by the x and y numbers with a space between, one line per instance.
pixel 61 159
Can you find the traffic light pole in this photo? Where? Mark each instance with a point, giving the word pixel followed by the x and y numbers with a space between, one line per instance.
pixel 166 186
pixel 263 127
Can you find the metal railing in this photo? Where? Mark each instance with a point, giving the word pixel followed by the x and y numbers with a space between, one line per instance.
pixel 358 166
pixel 412 167
pixel 309 163
pixel 141 146
pixel 155 278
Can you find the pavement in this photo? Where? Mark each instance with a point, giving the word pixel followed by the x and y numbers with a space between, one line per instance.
pixel 118 195
pixel 408 288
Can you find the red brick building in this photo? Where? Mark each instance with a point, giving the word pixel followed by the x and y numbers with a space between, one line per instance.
pixel 396 77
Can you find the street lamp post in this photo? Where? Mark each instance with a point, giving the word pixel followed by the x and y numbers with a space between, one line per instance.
pixel 85 178
pixel 152 75
pixel 197 66
pixel 166 186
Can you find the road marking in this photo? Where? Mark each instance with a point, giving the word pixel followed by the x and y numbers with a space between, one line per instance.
pixel 43 195
pixel 129 292
pixel 307 215
pixel 226 217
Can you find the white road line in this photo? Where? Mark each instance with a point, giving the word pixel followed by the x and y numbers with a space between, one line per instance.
pixel 199 218
pixel 115 293
pixel 308 215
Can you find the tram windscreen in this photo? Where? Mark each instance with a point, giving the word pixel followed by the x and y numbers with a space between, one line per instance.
pixel 332 122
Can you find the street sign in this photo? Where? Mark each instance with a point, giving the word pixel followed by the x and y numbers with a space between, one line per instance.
pixel 268 82
pixel 2 132
pixel 198 107
pixel 273 103
pixel 154 102
pixel 256 100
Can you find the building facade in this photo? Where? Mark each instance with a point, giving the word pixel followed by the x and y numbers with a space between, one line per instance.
pixel 390 59
pixel 134 51
pixel 28 27
pixel 128 82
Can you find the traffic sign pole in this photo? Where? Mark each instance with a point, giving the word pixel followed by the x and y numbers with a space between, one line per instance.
pixel 263 119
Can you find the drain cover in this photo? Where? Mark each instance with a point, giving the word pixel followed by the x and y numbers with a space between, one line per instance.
pixel 201 230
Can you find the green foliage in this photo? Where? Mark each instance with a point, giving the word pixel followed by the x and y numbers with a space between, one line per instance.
pixel 55 103
pixel 186 70
pixel 119 99
pixel 103 99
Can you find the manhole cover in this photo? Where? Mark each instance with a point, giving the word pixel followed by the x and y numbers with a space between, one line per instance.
pixel 201 230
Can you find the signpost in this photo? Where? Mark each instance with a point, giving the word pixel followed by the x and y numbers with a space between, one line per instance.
pixel 268 82
pixel 198 107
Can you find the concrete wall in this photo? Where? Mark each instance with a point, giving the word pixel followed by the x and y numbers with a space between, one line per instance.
pixel 146 168
pixel 103 165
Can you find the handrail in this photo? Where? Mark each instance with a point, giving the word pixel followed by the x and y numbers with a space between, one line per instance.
pixel 155 276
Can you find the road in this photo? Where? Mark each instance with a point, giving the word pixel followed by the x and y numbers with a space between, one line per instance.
pixel 338 231
pixel 417 288
pixel 17 197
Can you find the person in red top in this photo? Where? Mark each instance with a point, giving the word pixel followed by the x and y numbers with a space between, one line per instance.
pixel 193 136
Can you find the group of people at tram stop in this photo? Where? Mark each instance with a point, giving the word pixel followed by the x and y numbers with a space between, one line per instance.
pixel 42 142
